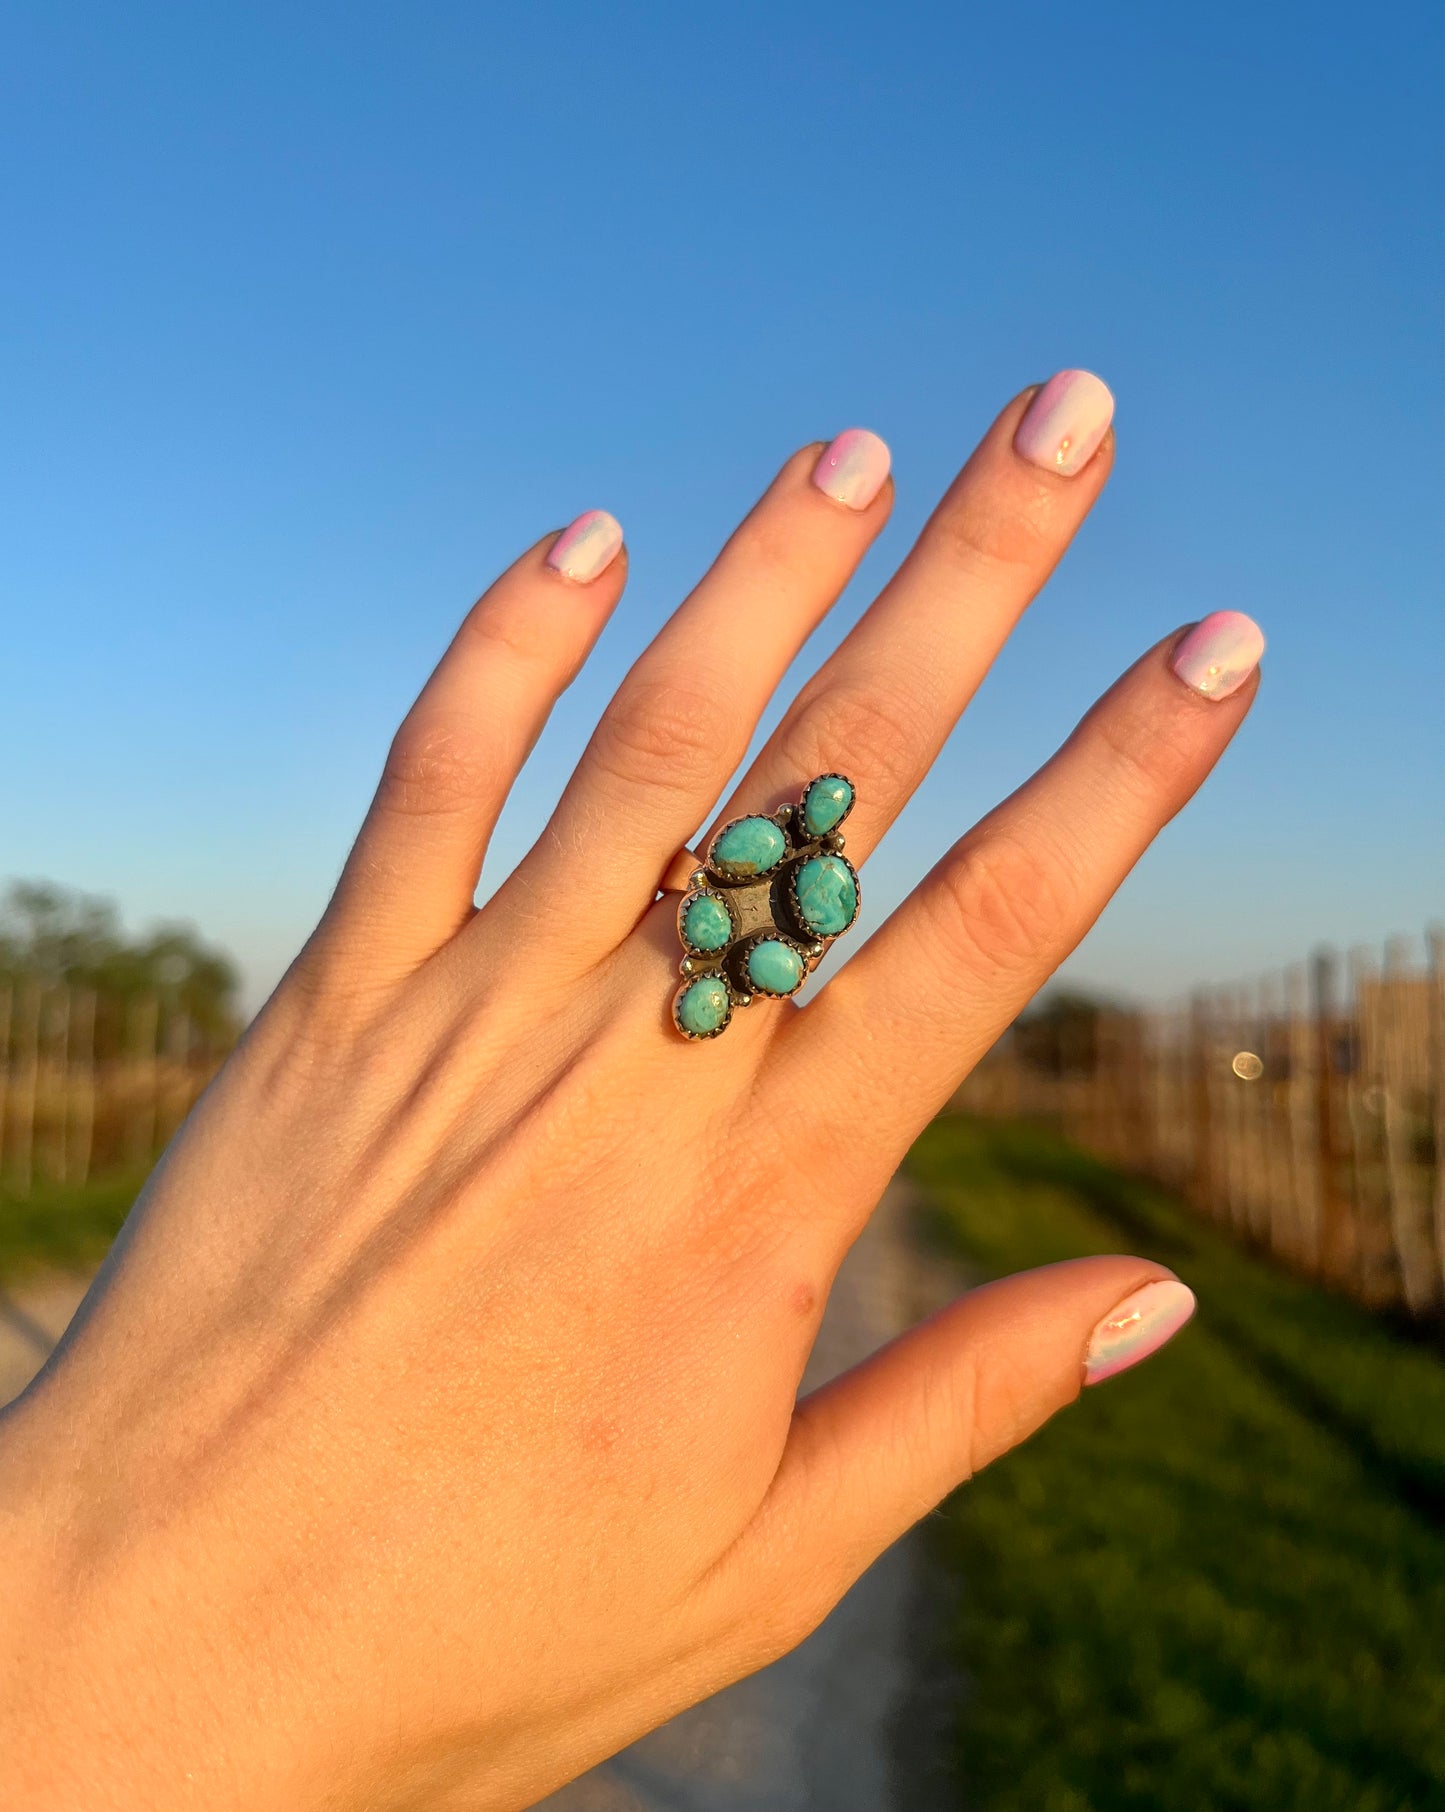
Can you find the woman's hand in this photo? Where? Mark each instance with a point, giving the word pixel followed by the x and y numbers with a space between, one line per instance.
pixel 432 1430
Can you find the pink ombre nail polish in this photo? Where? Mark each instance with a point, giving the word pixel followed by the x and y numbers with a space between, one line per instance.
pixel 586 548
pixel 1219 653
pixel 1140 1325
pixel 852 468
pixel 1065 422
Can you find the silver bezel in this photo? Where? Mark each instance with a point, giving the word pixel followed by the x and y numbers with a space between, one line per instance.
pixel 763 874
pixel 818 780
pixel 709 957
pixel 806 930
pixel 739 953
pixel 690 981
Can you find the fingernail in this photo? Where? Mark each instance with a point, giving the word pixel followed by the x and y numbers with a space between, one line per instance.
pixel 1065 422
pixel 587 547
pixel 852 468
pixel 1219 653
pixel 1139 1326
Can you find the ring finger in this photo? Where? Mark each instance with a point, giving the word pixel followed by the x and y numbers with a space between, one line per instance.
pixel 909 1015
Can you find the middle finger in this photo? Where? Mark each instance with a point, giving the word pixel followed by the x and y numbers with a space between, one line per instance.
pixel 881 707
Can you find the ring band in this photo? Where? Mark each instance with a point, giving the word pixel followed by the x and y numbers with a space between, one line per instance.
pixel 764 905
pixel 677 876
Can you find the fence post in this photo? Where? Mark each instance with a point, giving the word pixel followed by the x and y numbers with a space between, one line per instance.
pixel 1136 1091
pixel 1203 1157
pixel 144 1017
pixel 58 1080
pixel 1402 1077
pixel 1258 1165
pixel 28 1059
pixel 1359 1122
pixel 1336 1242
pixel 83 1048
pixel 1282 1199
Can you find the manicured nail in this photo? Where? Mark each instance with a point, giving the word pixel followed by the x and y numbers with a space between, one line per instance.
pixel 588 547
pixel 1065 422
pixel 851 470
pixel 1139 1326
pixel 1219 653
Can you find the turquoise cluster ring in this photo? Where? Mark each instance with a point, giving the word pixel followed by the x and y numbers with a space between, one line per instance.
pixel 770 897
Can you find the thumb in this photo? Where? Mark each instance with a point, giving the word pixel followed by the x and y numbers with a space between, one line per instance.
pixel 879 1447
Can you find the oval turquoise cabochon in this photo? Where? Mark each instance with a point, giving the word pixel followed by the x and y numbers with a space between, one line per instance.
pixel 748 846
pixel 774 967
pixel 703 1006
pixel 706 923
pixel 827 894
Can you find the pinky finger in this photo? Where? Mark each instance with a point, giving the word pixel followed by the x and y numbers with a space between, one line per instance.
pixel 408 884
pixel 880 1446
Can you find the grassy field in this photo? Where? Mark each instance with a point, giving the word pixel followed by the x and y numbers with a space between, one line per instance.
pixel 1216 1582
pixel 61 1227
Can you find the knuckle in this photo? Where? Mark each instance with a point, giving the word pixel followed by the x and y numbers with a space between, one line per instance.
pixel 1148 760
pixel 1005 1410
pixel 664 733
pixel 790 1616
pixel 873 733
pixel 775 540
pixel 433 769
pixel 769 1623
pixel 936 1428
pixel 987 528
pixel 801 1581
pixel 502 630
pixel 1008 901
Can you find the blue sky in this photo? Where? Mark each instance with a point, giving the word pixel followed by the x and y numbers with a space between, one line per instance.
pixel 313 316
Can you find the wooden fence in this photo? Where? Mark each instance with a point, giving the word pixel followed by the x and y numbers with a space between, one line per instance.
pixel 1303 1113
pixel 74 1104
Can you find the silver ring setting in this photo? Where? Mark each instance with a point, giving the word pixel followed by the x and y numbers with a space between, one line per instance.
pixel 757 916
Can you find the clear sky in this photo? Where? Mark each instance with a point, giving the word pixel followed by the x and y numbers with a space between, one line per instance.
pixel 313 315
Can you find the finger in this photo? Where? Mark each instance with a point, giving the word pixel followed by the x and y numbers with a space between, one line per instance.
pixel 876 1449
pixel 931 991
pixel 408 884
pixel 881 707
pixel 683 717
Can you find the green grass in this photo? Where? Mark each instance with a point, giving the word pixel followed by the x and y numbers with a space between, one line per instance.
pixel 1215 1582
pixel 62 1227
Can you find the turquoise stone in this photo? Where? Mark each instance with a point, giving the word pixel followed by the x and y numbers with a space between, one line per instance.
pixel 748 846
pixel 703 1006
pixel 827 895
pixel 774 967
pixel 825 803
pixel 706 923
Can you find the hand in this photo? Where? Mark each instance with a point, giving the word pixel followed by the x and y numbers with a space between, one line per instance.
pixel 431 1431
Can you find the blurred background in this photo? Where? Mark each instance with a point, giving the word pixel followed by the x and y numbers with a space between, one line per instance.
pixel 315 316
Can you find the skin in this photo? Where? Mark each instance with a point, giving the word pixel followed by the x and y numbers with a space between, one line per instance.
pixel 431 1432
